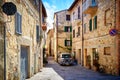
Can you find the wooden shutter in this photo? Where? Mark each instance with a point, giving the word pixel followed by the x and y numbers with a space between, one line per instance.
pixel 90 25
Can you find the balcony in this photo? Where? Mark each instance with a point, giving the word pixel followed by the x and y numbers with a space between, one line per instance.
pixel 90 7
pixel 76 22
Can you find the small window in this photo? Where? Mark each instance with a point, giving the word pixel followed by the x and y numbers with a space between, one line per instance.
pixel 90 25
pixel 67 17
pixel 78 31
pixel 85 28
pixel 84 1
pixel 106 50
pixel 68 42
pixel 67 29
pixel 79 12
pixel 18 23
pixel 73 15
pixel 107 20
pixel 73 33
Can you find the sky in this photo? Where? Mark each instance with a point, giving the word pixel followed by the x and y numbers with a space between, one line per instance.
pixel 53 6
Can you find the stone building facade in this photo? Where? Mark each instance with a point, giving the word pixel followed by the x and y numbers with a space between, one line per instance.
pixel 95 34
pixel 100 47
pixel 50 42
pixel 62 28
pixel 22 40
pixel 76 20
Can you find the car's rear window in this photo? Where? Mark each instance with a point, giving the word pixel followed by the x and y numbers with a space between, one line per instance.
pixel 66 56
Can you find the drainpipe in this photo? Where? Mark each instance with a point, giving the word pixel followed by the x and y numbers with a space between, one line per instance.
pixel 4 52
pixel 82 62
pixel 40 23
pixel 5 46
pixel 57 37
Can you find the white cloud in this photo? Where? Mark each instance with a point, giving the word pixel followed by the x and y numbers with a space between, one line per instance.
pixel 50 12
pixel 54 6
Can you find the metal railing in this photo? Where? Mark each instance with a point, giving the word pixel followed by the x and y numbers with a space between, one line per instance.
pixel 89 3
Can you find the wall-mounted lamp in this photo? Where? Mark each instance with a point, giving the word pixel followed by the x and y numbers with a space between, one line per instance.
pixel 9 8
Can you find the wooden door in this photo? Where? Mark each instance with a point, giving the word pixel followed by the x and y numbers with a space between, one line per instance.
pixel 24 62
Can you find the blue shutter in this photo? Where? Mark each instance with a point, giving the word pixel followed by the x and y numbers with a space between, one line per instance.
pixel 37 33
pixel 18 23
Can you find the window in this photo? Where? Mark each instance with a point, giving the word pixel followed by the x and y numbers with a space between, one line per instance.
pixel 66 56
pixel 95 22
pixel 68 43
pixel 79 12
pixel 73 33
pixel 37 33
pixel 73 15
pixel 95 54
pixel 43 20
pixel 67 28
pixel 78 31
pixel 84 1
pixel 85 28
pixel 94 3
pixel 90 25
pixel 107 20
pixel 18 23
pixel 68 17
pixel 106 50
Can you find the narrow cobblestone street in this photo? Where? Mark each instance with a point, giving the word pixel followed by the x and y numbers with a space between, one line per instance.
pixel 78 72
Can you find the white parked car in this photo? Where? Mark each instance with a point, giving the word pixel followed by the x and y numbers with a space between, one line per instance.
pixel 65 59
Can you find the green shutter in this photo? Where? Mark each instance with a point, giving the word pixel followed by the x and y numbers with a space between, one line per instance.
pixel 95 22
pixel 65 42
pixel 70 42
pixel 70 28
pixel 64 28
pixel 90 25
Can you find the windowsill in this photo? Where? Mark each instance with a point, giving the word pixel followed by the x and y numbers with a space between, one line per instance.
pixel 18 33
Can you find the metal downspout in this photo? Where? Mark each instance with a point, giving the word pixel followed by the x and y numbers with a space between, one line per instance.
pixel 40 63
pixel 4 51
pixel 82 39
pixel 57 37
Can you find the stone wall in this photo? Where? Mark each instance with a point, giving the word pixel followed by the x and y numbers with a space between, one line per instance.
pixel 1 52
pixel 27 39
pixel 62 35
pixel 99 38
pixel 77 23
